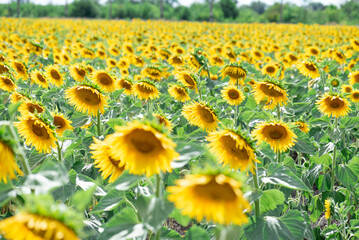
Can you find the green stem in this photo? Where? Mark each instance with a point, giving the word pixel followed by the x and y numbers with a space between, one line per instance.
pixel 99 124
pixel 334 157
pixel 278 112
pixel 278 156
pixel 256 186
pixel 22 155
pixel 235 115
pixel 158 185
pixel 58 151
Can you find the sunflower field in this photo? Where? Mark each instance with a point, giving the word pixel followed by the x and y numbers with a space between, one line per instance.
pixel 178 130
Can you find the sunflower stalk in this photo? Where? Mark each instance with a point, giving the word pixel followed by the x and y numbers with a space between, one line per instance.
pixel 58 151
pixel 334 156
pixel 22 155
pixel 256 186
pixel 99 124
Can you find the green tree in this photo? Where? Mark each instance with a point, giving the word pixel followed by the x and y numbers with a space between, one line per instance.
pixel 229 8
pixel 84 8
pixel 258 6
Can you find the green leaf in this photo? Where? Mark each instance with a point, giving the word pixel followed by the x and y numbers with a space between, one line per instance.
pixel 82 198
pixel 289 226
pixel 84 182
pixel 325 159
pixel 157 212
pixel 169 234
pixel 187 153
pixel 270 199
pixel 323 121
pixel 346 176
pixel 125 181
pixel 281 175
pixel 354 165
pixel 303 144
pixel 181 219
pixel 6 193
pixel 197 233
pixel 13 108
pixel 115 122
pixel 349 122
pixel 110 201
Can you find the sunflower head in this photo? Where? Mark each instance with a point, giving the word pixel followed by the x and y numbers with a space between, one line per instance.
pixel 20 69
pixel 163 121
pixel 270 92
pixel 7 159
pixel 308 69
pixel 332 104
pixel 179 93
pixel 29 106
pixel 233 95
pixel 214 197
pixel 334 82
pixel 7 83
pixel 104 80
pixel 78 72
pixel 353 78
pixel 302 126
pixel 188 79
pixel 276 133
pixel 347 88
pixel 125 84
pixel 145 90
pixel 52 73
pixel 354 96
pixel 200 115
pixel 61 123
pixel 270 70
pixel 234 71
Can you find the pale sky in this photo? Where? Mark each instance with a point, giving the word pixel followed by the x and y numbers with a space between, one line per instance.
pixel 189 2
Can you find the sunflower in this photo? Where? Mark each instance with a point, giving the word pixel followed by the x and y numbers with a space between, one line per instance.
pixel 354 96
pixel 217 198
pixel 8 162
pixel 276 133
pixel 314 51
pixel 123 63
pixel 257 55
pixel 7 83
pixel 333 105
pixel 37 132
pixel 29 106
pixel 4 69
pixel 33 226
pixel 232 149
pixel 77 72
pixel 61 123
pixel 165 54
pixel 20 69
pixel 175 61
pixel 163 121
pixel 234 71
pixel 106 82
pixel 355 44
pixel 270 69
pixel 111 63
pixel 272 93
pixel 38 78
pixel 347 89
pixel 353 78
pixel 327 208
pixel 308 69
pixel 302 126
pixel 145 90
pixel 86 99
pixel 216 60
pixel 152 72
pixel 200 115
pixel 106 163
pixel 52 73
pixel 334 82
pixel 16 97
pixel 233 95
pixel 188 79
pixel 125 84
pixel 143 149
pixel 338 57
pixel 194 62
pixel 179 93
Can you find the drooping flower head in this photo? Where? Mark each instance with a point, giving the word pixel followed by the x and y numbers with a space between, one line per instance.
pixel 273 94
pixel 152 72
pixel 188 79
pixel 145 90
pixel 332 104
pixel 235 72
pixel 276 133
pixel 200 115
pixel 8 165
pixel 179 93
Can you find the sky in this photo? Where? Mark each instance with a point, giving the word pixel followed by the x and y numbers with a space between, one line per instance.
pixel 189 2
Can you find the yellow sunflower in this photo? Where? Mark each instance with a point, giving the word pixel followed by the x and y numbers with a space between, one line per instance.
pixel 145 90
pixel 7 83
pixel 188 79
pixel 20 69
pixel 107 164
pixel 32 226
pixel 353 78
pixel 179 93
pixel 86 99
pixel 333 105
pixel 61 123
pixel 355 44
pixel 354 96
pixel 8 163
pixel 194 62
pixel 38 78
pixel 308 69
pixel 4 69
pixel 327 208
pixel 233 95
pixel 276 133
pixel 143 149
pixel 232 149
pixel 271 93
pixel 16 97
pixel 111 63
pixel 270 69
pixel 104 80
pixel 216 198
pixel 52 73
pixel 77 72
pixel 338 57
pixel 125 84
pixel 200 115
pixel 154 73
pixel 175 61
pixel 164 121
pixel 36 132
pixel 302 126
pixel 234 71
pixel 29 106
pixel 347 89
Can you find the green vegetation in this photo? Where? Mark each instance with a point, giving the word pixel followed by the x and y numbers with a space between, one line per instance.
pixel 223 11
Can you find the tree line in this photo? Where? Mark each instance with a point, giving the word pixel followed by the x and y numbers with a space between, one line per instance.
pixel 209 10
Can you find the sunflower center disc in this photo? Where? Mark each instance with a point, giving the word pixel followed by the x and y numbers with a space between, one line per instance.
pixel 270 69
pixel 41 78
pixel 55 74
pixel 275 132
pixel 233 94
pixel 336 103
pixel 40 131
pixel 310 67
pixel 59 122
pixel 144 141
pixel 205 114
pixel 215 191
pixel 19 67
pixel 7 81
pixel 81 72
pixel 188 79
pixel 356 78
pixel 144 89
pixel 356 95
pixel 126 85
pixel 33 107
pixel 270 91
pixel 229 144
pixel 104 79
pixel 88 96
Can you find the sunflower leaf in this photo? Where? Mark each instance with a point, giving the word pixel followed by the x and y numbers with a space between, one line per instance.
pixel 270 199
